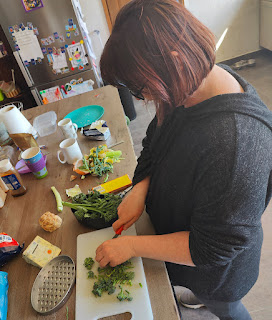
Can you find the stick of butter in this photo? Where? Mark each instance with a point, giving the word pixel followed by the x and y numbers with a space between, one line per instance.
pixel 40 252
pixel 115 185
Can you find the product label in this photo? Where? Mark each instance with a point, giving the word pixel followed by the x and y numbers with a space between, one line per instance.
pixel 12 182
pixel 6 241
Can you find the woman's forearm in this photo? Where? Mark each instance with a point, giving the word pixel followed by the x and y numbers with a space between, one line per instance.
pixel 141 187
pixel 172 247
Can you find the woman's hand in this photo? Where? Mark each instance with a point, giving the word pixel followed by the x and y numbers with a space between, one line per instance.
pixel 115 251
pixel 132 206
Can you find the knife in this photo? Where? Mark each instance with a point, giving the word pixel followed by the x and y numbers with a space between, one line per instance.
pixel 118 232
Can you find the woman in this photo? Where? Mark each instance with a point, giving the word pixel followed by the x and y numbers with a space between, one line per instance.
pixel 205 170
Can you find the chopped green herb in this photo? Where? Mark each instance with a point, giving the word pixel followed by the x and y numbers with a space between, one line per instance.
pixel 140 284
pixel 88 263
pixel 108 278
pixel 91 275
pixel 67 314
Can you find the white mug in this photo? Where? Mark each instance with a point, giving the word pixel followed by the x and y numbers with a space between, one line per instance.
pixel 70 151
pixel 68 128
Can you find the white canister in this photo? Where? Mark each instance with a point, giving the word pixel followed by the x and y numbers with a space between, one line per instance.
pixel 70 150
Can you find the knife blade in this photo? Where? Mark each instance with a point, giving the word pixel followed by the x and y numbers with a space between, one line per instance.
pixel 118 232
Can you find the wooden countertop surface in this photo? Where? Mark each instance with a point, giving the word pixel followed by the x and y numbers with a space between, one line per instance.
pixel 19 217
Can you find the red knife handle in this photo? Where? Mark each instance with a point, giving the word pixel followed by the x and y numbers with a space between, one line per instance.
pixel 119 231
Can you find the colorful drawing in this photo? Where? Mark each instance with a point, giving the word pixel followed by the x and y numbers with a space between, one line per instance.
pixel 57 60
pixel 77 55
pixel 30 5
pixel 70 28
pixel 51 95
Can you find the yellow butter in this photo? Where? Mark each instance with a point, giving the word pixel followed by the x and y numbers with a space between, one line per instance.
pixel 115 185
pixel 40 252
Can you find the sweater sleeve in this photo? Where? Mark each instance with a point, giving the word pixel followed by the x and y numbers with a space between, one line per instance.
pixel 228 199
pixel 143 168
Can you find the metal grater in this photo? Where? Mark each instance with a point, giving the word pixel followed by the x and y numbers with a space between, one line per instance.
pixel 52 286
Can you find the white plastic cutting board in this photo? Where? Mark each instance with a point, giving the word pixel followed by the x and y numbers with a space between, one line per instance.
pixel 88 307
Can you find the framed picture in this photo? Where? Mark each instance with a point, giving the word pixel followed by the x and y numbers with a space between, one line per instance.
pixel 30 5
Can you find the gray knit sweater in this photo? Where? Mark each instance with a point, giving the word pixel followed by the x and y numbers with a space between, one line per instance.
pixel 210 168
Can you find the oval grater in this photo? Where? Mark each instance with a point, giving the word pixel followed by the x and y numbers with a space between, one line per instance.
pixel 53 284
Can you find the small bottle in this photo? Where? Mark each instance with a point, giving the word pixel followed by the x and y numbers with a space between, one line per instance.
pixel 12 178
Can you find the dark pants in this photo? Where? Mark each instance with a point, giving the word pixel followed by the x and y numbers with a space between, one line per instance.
pixel 227 310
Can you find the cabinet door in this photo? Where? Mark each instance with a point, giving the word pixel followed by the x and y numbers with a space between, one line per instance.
pixel 112 7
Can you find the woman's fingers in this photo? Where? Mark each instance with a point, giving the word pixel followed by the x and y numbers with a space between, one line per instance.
pixel 130 223
pixel 120 222
pixel 103 262
pixel 99 256
pixel 117 224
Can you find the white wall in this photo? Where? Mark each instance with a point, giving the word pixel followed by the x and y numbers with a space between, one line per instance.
pixel 238 20
pixel 95 19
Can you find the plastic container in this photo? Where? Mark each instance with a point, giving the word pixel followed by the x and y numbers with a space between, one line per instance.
pixel 46 123
pixel 12 178
pixel 10 153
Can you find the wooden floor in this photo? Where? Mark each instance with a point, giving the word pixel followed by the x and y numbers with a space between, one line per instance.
pixel 258 300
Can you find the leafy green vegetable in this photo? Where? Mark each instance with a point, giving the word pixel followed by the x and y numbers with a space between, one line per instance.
pixel 94 205
pixel 109 278
pixel 91 275
pixel 88 263
pixel 100 161
pixel 124 295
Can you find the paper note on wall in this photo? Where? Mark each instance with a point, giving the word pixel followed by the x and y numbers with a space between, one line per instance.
pixel 28 44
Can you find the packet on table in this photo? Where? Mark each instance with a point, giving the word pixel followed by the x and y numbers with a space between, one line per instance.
pixel 98 130
pixel 3 295
pixel 8 248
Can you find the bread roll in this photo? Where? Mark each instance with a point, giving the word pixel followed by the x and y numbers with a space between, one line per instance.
pixel 50 221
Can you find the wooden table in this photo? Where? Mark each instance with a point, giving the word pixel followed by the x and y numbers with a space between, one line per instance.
pixel 19 217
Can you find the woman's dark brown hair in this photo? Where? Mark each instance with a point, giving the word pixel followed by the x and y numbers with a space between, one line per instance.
pixel 160 46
